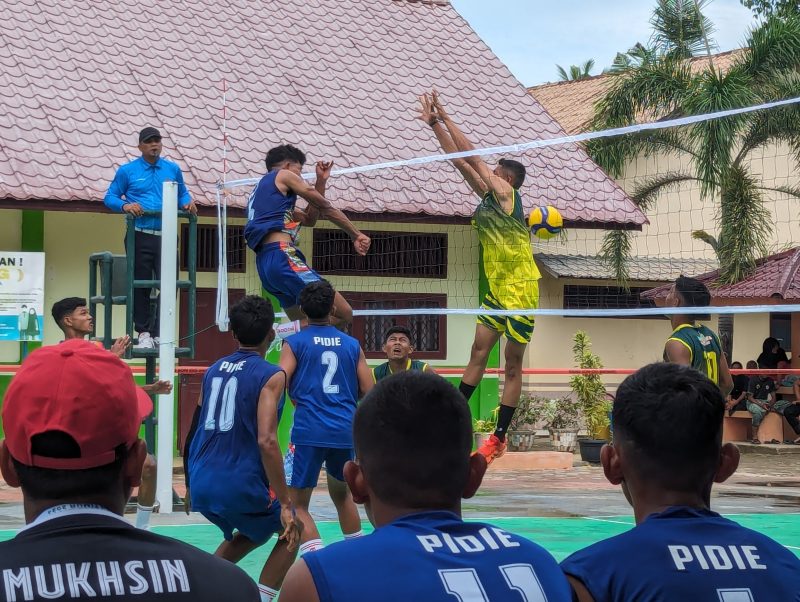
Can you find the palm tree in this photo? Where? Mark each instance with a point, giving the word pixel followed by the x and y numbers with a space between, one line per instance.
pixel 717 151
pixel 576 71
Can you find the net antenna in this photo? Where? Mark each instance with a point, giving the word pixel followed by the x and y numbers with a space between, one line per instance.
pixel 222 224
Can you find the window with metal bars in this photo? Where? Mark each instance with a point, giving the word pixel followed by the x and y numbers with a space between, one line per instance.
pixel 208 248
pixel 429 333
pixel 398 254
pixel 580 296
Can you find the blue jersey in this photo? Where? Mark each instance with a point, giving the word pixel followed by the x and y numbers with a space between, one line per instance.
pixel 225 469
pixel 687 554
pixel 324 386
pixel 269 210
pixel 437 557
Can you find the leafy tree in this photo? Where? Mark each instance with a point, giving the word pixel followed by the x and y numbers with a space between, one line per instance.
pixel 717 152
pixel 768 8
pixel 576 71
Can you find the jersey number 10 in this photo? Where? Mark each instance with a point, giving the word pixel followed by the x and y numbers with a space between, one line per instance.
pixel 227 407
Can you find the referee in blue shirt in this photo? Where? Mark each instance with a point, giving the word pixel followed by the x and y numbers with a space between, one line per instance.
pixel 137 187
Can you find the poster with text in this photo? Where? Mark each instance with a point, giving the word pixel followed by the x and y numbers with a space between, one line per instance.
pixel 21 296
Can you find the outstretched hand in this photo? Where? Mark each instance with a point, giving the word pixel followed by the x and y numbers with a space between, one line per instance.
pixel 427 112
pixel 438 107
pixel 121 345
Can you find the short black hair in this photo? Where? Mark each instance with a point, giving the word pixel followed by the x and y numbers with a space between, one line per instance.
pixel 61 309
pixel 693 292
pixel 670 418
pixel 733 365
pixel 284 152
pixel 516 169
pixel 398 330
pixel 59 484
pixel 403 422
pixel 316 299
pixel 251 319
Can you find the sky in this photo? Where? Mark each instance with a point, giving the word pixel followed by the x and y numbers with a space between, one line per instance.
pixel 533 36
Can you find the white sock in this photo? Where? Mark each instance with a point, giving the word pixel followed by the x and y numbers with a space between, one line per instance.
pixel 358 533
pixel 143 516
pixel 267 593
pixel 284 330
pixel 311 545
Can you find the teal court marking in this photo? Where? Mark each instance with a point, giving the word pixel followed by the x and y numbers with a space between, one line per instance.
pixel 560 536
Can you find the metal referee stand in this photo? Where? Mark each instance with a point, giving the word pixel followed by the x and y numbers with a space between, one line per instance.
pixel 116 287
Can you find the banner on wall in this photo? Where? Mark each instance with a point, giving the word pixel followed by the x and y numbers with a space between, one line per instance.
pixel 21 296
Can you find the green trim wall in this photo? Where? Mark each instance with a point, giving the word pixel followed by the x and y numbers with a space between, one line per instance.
pixel 32 232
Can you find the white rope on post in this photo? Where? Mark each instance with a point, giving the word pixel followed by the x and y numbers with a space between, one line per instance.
pixel 166 349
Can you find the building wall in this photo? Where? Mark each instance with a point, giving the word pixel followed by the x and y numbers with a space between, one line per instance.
pixel 10 240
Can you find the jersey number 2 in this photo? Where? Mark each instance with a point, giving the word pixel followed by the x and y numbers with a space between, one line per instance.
pixel 465 585
pixel 330 359
pixel 228 406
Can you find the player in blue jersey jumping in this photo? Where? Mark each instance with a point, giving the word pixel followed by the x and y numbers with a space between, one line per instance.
pixel 233 464
pixel 667 453
pixel 327 374
pixel 273 225
pixel 413 438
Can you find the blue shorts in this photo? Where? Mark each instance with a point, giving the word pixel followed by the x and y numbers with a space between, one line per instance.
pixel 303 463
pixel 284 272
pixel 258 527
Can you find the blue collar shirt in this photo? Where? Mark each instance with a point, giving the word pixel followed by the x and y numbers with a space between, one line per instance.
pixel 142 182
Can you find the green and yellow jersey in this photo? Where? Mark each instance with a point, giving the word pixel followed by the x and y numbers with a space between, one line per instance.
pixel 507 256
pixel 704 348
pixel 384 370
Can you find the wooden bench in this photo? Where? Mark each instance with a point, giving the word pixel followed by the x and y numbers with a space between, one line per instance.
pixel 739 427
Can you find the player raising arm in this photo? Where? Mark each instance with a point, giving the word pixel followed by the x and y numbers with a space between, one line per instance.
pixel 273 227
pixel 508 263
pixel 232 460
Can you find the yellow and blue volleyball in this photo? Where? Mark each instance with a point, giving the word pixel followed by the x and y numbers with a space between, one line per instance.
pixel 545 222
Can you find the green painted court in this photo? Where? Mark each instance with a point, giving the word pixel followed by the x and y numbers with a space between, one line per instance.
pixel 561 536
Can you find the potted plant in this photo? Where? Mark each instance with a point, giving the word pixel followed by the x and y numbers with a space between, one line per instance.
pixel 592 398
pixel 483 429
pixel 522 430
pixel 561 416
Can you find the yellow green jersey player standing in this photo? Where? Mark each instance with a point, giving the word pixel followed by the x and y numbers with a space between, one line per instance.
pixel 508 263
pixel 692 344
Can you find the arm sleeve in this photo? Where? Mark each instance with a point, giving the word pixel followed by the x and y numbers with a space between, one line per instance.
pixel 183 194
pixel 113 199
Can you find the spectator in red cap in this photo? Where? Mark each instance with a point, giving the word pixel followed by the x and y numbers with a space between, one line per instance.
pixel 71 417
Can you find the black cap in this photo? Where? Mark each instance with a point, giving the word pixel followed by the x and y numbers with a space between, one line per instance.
pixel 148 133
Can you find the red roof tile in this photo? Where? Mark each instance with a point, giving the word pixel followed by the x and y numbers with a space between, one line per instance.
pixel 775 277
pixel 338 77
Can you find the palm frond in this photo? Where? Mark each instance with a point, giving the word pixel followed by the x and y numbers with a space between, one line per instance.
pixel 616 247
pixel 775 43
pixel 562 74
pixel 790 190
pixel 707 238
pixel 679 28
pixel 745 226
pixel 717 139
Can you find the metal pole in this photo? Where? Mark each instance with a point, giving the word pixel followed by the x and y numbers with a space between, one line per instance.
pixel 166 356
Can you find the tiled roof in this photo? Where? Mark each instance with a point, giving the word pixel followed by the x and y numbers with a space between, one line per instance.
pixel 571 103
pixel 653 269
pixel 339 78
pixel 775 277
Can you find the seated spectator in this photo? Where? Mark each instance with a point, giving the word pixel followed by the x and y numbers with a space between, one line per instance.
pixel 666 464
pixel 737 398
pixel 421 548
pixel 71 418
pixel 772 355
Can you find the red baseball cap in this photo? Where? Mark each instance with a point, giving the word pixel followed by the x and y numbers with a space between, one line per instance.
pixel 85 392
